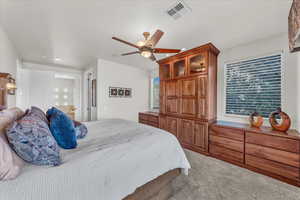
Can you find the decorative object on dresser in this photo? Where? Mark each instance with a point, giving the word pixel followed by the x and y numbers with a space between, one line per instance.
pixel 149 118
pixel 263 150
pixel 188 95
pixel 294 26
pixel 285 123
pixel 256 120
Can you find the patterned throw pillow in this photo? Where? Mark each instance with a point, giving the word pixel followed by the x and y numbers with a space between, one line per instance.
pixel 39 113
pixel 62 129
pixel 80 129
pixel 32 140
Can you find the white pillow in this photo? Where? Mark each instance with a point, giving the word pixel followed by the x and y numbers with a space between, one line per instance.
pixel 10 163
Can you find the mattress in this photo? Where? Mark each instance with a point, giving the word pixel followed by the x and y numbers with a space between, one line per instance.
pixel 115 158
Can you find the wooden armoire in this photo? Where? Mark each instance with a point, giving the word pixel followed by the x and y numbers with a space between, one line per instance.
pixel 188 95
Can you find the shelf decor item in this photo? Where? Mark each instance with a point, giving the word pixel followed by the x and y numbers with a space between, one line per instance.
pixel 285 121
pixel 256 120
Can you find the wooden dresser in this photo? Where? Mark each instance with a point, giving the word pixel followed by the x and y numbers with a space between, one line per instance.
pixel 263 150
pixel 188 87
pixel 149 118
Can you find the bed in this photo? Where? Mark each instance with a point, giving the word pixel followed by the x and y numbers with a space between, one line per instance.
pixel 118 159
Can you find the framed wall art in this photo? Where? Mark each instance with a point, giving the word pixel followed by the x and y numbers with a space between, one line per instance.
pixel 120 92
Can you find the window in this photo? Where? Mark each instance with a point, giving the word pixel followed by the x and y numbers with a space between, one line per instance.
pixel 254 85
pixel 155 93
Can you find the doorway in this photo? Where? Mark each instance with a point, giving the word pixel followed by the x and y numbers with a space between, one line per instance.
pixel 91 94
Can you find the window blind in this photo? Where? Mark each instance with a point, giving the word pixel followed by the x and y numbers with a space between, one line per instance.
pixel 254 85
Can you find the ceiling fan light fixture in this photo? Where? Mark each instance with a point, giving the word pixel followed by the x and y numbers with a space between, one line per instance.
pixel 146 54
pixel 141 43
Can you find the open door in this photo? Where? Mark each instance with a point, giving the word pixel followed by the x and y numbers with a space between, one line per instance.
pixel 92 97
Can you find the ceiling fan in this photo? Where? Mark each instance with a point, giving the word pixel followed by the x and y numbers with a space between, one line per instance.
pixel 147 47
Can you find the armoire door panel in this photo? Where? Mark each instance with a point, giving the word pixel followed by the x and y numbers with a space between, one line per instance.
pixel 163 123
pixel 189 87
pixel 186 133
pixel 172 106
pixel 202 87
pixel 171 89
pixel 201 135
pixel 162 88
pixel 162 97
pixel 202 108
pixel 198 63
pixel 172 125
pixel 162 104
pixel 188 106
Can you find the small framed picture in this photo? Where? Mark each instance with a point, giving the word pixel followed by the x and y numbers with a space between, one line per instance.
pixel 113 92
pixel 128 92
pixel 121 92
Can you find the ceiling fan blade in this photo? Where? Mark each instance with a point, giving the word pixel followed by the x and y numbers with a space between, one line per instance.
pixel 152 57
pixel 125 42
pixel 130 53
pixel 160 50
pixel 155 38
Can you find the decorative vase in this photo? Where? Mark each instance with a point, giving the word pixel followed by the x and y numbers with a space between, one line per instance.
pixel 285 121
pixel 258 122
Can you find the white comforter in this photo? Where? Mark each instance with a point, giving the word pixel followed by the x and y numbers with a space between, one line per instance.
pixel 115 158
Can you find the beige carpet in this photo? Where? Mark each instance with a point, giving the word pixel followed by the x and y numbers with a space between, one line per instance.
pixel 212 179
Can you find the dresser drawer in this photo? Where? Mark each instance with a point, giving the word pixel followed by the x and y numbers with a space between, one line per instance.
pixel 153 119
pixel 281 143
pixel 227 133
pixel 143 121
pixel 227 154
pixel 143 117
pixel 153 124
pixel 280 156
pixel 226 143
pixel 273 167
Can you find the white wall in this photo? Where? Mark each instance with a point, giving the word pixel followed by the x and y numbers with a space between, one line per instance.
pixel 9 60
pixel 290 96
pixel 119 75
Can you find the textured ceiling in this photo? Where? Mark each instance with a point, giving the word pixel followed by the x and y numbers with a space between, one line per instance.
pixel 80 31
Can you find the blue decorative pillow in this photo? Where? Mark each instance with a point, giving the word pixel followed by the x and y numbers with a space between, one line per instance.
pixel 80 129
pixel 32 140
pixel 62 129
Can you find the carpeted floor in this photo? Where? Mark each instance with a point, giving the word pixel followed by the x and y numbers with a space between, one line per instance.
pixel 212 179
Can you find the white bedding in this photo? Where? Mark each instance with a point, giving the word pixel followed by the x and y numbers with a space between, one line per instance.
pixel 115 158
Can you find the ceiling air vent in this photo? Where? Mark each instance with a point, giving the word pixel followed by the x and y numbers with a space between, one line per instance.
pixel 178 9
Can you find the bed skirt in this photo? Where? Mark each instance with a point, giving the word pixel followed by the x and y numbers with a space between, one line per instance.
pixel 157 189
